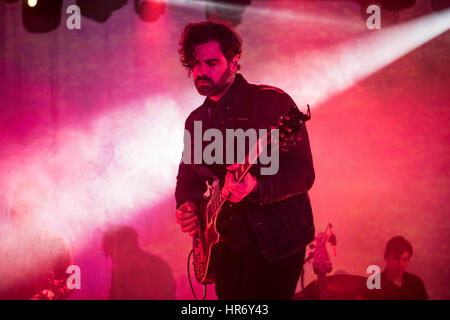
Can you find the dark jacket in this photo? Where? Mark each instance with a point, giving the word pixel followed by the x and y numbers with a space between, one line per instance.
pixel 281 217
pixel 412 289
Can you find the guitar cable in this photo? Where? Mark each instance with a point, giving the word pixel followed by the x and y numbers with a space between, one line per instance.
pixel 189 277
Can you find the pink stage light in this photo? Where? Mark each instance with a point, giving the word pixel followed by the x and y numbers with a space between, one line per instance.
pixel 318 76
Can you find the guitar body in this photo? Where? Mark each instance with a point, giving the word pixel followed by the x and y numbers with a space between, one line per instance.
pixel 207 259
pixel 208 243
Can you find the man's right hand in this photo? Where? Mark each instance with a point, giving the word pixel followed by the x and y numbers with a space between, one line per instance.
pixel 187 217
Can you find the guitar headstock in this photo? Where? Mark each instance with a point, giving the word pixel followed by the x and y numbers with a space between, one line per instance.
pixel 290 125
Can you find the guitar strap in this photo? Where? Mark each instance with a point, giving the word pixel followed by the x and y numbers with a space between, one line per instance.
pixel 241 119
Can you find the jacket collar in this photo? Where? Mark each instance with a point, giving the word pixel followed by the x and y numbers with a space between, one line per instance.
pixel 233 94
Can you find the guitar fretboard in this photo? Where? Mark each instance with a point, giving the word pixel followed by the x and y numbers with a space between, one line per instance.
pixel 217 200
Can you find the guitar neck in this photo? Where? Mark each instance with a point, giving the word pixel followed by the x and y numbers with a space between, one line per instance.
pixel 253 155
pixel 217 200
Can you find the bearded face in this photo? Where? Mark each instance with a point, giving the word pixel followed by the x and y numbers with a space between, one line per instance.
pixel 212 72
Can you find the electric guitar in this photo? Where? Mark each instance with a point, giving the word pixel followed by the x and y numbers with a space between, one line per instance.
pixel 208 242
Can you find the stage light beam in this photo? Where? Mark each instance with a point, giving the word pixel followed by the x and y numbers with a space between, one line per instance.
pixel 326 73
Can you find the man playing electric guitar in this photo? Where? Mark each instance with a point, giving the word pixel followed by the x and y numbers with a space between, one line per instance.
pixel 268 219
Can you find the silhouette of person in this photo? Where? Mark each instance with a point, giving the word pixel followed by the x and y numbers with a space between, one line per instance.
pixel 33 260
pixel 396 283
pixel 136 274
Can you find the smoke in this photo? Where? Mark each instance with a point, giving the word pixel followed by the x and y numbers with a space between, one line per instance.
pixel 124 161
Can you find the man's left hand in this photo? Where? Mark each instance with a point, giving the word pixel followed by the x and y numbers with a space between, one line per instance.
pixel 234 191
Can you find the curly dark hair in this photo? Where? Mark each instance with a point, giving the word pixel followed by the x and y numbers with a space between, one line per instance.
pixel 396 246
pixel 202 32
